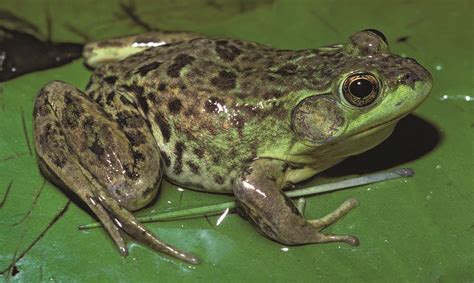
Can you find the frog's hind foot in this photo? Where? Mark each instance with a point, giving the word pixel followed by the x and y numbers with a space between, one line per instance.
pixel 90 200
pixel 337 214
pixel 332 217
pixel 126 221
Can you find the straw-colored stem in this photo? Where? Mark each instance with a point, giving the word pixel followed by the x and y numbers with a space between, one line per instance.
pixel 219 208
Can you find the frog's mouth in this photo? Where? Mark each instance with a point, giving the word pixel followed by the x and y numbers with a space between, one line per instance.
pixel 354 144
pixel 376 128
pixel 367 139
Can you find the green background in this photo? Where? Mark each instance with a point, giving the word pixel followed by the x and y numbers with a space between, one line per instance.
pixel 417 229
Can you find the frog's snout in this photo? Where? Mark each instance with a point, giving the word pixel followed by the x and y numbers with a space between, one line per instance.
pixel 416 73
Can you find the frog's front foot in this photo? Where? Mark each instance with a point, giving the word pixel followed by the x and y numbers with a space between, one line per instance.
pixel 258 192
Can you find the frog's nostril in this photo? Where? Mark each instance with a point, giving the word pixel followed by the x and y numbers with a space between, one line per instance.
pixel 409 78
pixel 405 77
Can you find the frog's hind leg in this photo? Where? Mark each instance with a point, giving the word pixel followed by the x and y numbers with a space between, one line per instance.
pixel 102 158
pixel 259 194
pixel 98 53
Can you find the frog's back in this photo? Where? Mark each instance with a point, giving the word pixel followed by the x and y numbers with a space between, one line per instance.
pixel 208 67
pixel 208 102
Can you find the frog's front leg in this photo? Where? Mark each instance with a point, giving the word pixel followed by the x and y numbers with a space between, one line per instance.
pixel 258 192
pixel 109 160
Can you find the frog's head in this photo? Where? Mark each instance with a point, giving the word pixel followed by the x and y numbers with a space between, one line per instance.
pixel 371 90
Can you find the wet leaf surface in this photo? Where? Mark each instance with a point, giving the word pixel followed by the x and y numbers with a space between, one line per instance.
pixel 419 229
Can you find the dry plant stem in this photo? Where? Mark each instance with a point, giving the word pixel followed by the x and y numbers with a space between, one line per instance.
pixel 219 208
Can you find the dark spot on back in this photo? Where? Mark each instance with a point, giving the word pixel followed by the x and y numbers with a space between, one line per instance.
pixel 97 148
pixel 219 179
pixel 178 164
pixel 227 51
pixel 129 120
pixel 182 86
pixel 100 100
pixel 67 98
pixel 130 172
pixel 142 101
pixel 138 156
pixel 110 97
pixel 164 127
pixel 136 89
pixel 179 63
pixel 161 86
pixel 153 97
pixel 88 122
pixel 193 167
pixel 42 107
pixel 71 113
pixel 286 70
pixel 174 106
pixel 225 80
pixel 136 138
pixel 212 104
pixel 143 70
pixel 110 79
pixel 199 152
pixel 57 158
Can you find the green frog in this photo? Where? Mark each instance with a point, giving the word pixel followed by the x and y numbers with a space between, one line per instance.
pixel 221 116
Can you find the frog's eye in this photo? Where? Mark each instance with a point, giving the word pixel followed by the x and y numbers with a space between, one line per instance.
pixel 360 89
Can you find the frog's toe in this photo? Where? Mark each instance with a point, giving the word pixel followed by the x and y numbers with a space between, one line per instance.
pixel 330 238
pixel 124 220
pixel 337 214
pixel 112 228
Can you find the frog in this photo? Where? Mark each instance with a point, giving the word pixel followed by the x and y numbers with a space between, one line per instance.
pixel 222 116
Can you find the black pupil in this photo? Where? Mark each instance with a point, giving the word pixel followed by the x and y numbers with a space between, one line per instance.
pixel 361 88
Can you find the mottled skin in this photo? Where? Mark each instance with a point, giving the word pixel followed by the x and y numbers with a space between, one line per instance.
pixel 224 116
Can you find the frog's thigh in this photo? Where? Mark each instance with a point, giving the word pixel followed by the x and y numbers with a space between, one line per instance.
pixel 124 160
pixel 81 149
pixel 58 163
pixel 258 191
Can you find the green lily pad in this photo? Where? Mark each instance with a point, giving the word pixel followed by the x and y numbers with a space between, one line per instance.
pixel 417 229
